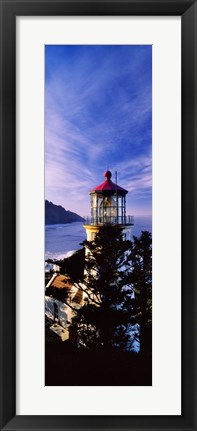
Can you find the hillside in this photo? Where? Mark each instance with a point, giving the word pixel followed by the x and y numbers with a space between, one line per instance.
pixel 56 214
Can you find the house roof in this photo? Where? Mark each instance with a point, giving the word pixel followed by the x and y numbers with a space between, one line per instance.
pixel 59 282
pixel 78 298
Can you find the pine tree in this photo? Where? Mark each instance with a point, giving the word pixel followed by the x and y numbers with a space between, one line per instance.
pixel 141 305
pixel 104 319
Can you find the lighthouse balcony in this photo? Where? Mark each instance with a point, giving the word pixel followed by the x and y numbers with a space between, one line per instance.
pixel 110 220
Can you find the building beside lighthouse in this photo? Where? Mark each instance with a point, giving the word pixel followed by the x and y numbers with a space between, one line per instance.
pixel 108 207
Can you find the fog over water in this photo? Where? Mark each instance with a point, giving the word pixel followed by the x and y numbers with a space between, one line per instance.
pixel 62 239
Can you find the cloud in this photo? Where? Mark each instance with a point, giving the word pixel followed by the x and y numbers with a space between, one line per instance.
pixel 98 114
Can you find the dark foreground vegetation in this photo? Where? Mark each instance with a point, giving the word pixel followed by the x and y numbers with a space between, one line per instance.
pixel 73 265
pixel 69 366
pixel 115 315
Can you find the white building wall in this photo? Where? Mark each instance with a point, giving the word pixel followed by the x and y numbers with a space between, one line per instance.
pixel 64 312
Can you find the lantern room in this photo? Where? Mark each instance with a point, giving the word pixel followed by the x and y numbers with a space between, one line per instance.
pixel 108 203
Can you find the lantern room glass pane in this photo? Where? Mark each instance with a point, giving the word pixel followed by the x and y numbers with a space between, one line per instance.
pixel 108 209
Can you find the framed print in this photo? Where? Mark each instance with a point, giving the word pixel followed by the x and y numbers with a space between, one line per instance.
pixel 86 85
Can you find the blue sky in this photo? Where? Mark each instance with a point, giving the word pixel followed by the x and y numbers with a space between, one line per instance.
pixel 98 115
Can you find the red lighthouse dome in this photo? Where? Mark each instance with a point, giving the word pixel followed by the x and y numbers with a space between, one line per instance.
pixel 108 186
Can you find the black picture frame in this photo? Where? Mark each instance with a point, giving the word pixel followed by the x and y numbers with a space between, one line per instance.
pixel 187 9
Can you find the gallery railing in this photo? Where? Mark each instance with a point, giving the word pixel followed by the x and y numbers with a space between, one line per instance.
pixel 107 220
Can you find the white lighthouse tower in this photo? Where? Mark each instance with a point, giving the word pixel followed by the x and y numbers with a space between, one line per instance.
pixel 108 207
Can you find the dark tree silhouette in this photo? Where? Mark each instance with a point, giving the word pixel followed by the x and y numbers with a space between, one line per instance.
pixel 114 270
pixel 141 305
pixel 104 319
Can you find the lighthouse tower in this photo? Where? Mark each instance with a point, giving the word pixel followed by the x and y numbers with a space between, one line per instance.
pixel 108 207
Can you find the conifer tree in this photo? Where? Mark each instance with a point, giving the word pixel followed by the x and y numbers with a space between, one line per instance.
pixel 104 319
pixel 141 305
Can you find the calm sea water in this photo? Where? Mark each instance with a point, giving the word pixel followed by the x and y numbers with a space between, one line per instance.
pixel 62 239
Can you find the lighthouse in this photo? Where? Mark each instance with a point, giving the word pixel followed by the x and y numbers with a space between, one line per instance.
pixel 108 207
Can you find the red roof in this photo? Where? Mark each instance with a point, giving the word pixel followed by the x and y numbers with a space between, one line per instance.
pixel 108 185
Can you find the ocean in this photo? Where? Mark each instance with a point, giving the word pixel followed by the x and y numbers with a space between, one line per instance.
pixel 62 239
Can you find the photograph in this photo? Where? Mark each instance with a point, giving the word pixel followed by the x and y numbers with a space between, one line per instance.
pixel 98 215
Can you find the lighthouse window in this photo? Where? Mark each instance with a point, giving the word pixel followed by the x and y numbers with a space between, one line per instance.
pixel 108 210
pixel 55 311
pixel 94 201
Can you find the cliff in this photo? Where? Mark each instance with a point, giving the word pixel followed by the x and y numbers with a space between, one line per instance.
pixel 56 214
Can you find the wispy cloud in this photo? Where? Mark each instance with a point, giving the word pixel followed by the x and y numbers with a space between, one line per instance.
pixel 98 114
